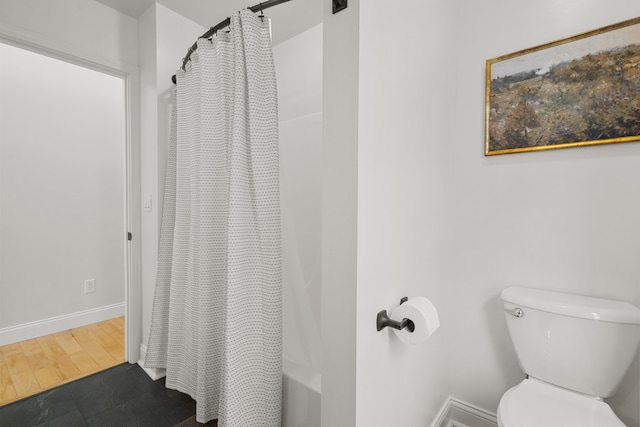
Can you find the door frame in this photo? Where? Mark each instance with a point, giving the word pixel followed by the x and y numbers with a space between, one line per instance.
pixel 129 73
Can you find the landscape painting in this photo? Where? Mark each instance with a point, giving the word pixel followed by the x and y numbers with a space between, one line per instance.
pixel 584 90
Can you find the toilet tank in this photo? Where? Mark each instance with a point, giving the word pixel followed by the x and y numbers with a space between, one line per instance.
pixel 580 343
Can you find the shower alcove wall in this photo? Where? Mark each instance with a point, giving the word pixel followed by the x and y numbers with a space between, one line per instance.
pixel 298 63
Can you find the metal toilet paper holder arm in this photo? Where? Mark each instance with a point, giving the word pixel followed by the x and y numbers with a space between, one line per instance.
pixel 383 320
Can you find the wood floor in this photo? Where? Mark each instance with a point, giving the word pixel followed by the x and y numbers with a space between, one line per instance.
pixel 38 364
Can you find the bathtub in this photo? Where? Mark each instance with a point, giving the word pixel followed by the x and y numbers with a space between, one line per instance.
pixel 300 396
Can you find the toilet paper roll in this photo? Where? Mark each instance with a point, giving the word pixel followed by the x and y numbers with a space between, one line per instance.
pixel 422 313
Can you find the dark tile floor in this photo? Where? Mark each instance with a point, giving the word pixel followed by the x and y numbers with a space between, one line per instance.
pixel 121 396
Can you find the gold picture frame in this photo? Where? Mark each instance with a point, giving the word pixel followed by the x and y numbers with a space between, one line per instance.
pixel 582 90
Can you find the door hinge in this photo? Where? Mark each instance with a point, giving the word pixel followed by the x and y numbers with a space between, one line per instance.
pixel 129 235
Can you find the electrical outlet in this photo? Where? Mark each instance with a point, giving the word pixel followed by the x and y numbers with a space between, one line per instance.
pixel 89 286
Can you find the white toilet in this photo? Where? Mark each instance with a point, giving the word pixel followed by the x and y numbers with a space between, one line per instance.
pixel 575 351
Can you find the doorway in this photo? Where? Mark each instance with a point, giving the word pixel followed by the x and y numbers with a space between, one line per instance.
pixel 64 201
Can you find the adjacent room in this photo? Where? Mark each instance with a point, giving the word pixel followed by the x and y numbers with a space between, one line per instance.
pixel 62 221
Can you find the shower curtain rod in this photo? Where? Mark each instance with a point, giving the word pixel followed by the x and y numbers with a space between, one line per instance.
pixel 225 23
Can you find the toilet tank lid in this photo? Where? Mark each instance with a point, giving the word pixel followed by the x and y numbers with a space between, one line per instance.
pixel 604 310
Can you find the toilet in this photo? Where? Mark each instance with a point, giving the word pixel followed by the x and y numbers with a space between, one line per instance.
pixel 574 350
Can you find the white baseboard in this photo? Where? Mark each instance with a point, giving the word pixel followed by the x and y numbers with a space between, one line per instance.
pixel 456 413
pixel 27 331
pixel 154 373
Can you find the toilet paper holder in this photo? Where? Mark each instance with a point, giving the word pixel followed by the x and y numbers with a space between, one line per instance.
pixel 383 320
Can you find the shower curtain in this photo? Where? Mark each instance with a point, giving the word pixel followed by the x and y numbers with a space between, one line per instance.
pixel 217 311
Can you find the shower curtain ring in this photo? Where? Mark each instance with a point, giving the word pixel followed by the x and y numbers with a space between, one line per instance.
pixel 261 12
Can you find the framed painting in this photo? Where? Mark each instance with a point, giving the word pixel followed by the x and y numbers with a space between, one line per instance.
pixel 582 90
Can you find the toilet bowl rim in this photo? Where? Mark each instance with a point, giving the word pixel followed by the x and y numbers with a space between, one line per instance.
pixel 501 414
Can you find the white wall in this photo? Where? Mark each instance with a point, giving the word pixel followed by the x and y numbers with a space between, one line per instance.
pixel 565 220
pixel 387 114
pixel 298 64
pixel 339 214
pixel 62 137
pixel 164 37
pixel 405 104
pixel 82 28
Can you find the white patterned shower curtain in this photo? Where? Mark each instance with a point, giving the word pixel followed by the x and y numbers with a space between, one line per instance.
pixel 216 324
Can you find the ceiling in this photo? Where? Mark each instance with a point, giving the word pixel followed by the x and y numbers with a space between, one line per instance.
pixel 288 19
